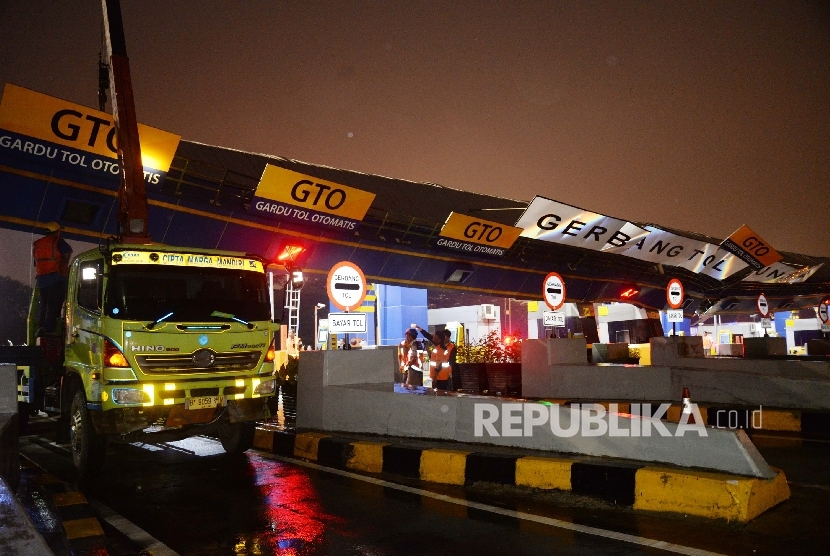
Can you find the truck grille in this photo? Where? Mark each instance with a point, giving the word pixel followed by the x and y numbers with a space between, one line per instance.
pixel 201 361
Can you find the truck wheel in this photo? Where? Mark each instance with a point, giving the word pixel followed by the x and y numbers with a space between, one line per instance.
pixel 88 447
pixel 236 437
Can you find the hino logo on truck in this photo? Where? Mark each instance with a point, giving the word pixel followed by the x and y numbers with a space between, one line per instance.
pixel 153 348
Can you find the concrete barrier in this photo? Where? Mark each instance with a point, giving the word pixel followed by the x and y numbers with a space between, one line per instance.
pixel 782 384
pixel 667 350
pixel 540 356
pixel 711 386
pixel 818 347
pixel 765 346
pixel 353 392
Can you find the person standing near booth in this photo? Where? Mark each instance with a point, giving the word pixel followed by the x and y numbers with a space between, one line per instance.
pixel 450 347
pixel 440 362
pixel 51 255
pixel 707 344
pixel 403 355
pixel 412 359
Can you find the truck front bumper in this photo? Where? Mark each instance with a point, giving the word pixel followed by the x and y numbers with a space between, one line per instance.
pixel 130 419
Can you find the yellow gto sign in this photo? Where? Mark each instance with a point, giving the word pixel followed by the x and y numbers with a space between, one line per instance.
pixel 750 248
pixel 185 259
pixel 64 123
pixel 290 195
pixel 476 235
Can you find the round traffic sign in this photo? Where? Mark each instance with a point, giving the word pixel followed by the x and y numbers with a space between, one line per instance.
pixel 346 286
pixel 763 306
pixel 675 293
pixel 822 312
pixel 553 291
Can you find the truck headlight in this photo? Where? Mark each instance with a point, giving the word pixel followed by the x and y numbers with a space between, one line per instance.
pixel 130 396
pixel 267 387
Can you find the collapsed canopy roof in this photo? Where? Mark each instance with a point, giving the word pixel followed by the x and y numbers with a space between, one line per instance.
pixel 411 214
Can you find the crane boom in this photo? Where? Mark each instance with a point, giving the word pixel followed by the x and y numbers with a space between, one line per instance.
pixel 132 195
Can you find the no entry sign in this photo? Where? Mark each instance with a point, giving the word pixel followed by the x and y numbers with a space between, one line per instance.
pixel 763 305
pixel 553 291
pixel 346 286
pixel 675 293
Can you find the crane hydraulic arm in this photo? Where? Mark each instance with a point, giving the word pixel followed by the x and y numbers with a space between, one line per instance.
pixel 132 195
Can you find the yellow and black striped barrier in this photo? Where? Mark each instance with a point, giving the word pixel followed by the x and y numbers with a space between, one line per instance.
pixel 643 487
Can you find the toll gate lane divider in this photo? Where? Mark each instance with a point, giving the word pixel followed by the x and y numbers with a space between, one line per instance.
pixel 643 487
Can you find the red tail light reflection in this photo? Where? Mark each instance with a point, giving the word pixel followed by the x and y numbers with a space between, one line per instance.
pixel 297 521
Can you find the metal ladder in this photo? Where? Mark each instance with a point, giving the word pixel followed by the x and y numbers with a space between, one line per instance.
pixel 292 303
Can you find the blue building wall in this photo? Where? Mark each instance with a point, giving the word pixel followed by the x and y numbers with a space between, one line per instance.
pixel 398 308
pixel 779 322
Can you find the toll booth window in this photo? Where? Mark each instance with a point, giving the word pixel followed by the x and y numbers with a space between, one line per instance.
pixel 90 286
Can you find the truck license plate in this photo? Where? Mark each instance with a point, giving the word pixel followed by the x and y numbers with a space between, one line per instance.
pixel 204 402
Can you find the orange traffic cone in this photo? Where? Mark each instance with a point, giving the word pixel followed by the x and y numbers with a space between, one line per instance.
pixel 687 407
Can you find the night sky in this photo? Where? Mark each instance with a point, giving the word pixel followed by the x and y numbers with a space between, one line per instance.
pixel 701 116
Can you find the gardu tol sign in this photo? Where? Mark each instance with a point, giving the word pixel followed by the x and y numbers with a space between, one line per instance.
pixel 557 222
pixel 474 235
pixel 288 195
pixel 60 133
pixel 751 249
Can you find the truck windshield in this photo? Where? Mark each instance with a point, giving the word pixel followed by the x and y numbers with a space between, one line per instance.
pixel 146 293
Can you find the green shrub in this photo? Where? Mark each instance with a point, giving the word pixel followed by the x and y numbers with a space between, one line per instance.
pixel 491 349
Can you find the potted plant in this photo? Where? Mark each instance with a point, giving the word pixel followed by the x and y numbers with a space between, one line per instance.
pixel 490 365
pixel 472 377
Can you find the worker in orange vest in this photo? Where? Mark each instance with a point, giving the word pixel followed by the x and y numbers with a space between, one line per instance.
pixel 51 255
pixel 442 360
pixel 410 357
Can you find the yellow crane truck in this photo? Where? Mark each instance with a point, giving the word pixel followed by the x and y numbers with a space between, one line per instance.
pixel 160 341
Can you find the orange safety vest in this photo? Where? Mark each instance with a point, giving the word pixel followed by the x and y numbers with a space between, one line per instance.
pixel 48 258
pixel 403 355
pixel 408 352
pixel 439 363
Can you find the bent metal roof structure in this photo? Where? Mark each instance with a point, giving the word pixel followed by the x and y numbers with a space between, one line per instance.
pixel 203 202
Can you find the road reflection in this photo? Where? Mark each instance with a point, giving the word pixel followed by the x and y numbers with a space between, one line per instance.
pixel 296 522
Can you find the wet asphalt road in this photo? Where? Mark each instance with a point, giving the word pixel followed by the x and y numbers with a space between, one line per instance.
pixel 195 499
pixel 206 504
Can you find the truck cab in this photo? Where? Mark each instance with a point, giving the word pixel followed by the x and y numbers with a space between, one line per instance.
pixel 167 342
